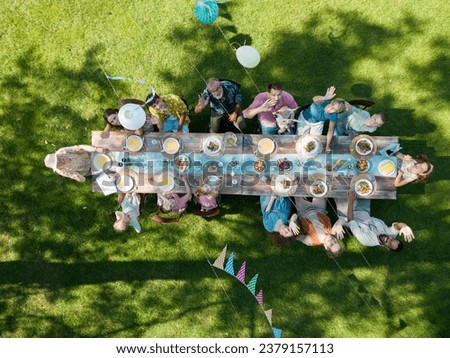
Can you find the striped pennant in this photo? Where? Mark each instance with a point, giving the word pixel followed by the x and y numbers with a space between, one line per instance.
pixel 276 332
pixel 221 259
pixel 259 297
pixel 241 274
pixel 229 266
pixel 268 314
pixel 252 284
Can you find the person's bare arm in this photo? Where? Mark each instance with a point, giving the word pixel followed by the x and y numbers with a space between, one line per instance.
pixel 269 205
pixel 401 182
pixel 330 134
pixel 201 104
pixel 351 196
pixel 328 95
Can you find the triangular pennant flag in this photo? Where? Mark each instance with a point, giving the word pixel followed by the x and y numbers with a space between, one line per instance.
pixel 259 297
pixel 229 266
pixel 269 316
pixel 252 284
pixel 241 274
pixel 221 259
pixel 276 332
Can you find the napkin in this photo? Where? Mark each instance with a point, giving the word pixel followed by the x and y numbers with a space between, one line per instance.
pixel 393 148
pixel 106 184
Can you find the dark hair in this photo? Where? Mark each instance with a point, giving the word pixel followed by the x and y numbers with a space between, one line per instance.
pixel 383 116
pixel 279 239
pixel 154 99
pixel 390 243
pixel 110 112
pixel 275 86
pixel 423 178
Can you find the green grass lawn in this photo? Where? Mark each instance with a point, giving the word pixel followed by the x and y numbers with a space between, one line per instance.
pixel 64 272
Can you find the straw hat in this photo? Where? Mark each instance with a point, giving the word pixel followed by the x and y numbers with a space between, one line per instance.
pixel 51 161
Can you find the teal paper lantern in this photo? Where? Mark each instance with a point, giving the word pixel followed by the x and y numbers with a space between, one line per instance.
pixel 206 11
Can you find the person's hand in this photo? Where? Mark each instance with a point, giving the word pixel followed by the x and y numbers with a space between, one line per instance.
pixel 294 228
pixel 330 93
pixel 399 173
pixel 282 130
pixel 183 177
pixel 233 117
pixel 407 157
pixel 407 233
pixel 351 195
pixel 327 149
pixel 338 230
pixel 104 135
pixel 267 105
pixel 202 101
pixel 105 150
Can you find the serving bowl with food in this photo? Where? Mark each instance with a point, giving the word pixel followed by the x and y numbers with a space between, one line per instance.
pixel 212 146
pixel 266 146
pixel 124 183
pixel 259 165
pixel 171 145
pixel 230 139
pixel 284 184
pixel 101 162
pixel 363 187
pixel 386 167
pixel 363 165
pixel 363 146
pixel 284 164
pixel 182 163
pixel 318 188
pixel 308 146
pixel 134 143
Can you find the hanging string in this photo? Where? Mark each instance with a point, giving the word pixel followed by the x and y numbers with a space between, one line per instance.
pixel 106 75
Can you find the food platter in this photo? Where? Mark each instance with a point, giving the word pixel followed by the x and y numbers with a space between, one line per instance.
pixel 181 163
pixel 212 146
pixel 363 185
pixel 308 146
pixel 363 147
pixel 102 162
pixel 318 188
pixel 386 167
pixel 171 145
pixel 230 139
pixel 284 184
pixel 134 143
pixel 363 165
pixel 266 147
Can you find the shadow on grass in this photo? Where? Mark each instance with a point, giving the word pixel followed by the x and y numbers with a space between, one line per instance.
pixel 46 217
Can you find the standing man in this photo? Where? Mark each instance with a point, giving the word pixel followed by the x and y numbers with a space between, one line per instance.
pixel 225 99
pixel 267 105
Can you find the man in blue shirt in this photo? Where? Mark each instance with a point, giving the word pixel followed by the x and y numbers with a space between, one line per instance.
pixel 225 99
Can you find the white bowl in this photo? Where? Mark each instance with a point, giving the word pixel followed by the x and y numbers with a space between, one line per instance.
pixel 266 146
pixel 171 145
pixel 134 143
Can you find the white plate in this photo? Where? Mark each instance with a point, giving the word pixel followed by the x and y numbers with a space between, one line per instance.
pixel 266 146
pixel 230 139
pixel 214 143
pixel 102 161
pixel 184 160
pixel 171 145
pixel 167 183
pixel 124 183
pixel 134 143
pixel 363 140
pixel 305 142
pixel 386 162
pixel 279 183
pixel 362 181
pixel 314 184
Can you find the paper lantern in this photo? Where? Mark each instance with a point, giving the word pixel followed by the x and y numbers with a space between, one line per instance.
pixel 248 56
pixel 206 11
pixel 131 116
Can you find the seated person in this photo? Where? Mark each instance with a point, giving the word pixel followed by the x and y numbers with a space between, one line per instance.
pixel 323 108
pixel 355 214
pixel 207 196
pixel 170 202
pixel 112 122
pixel 354 121
pixel 224 98
pixel 73 162
pixel 316 225
pixel 169 112
pixel 412 170
pixel 267 105
pixel 131 210
pixel 277 219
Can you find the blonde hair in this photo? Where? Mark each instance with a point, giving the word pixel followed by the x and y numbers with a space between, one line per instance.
pixel 341 104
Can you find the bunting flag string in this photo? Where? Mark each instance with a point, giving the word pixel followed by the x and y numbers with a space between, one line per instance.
pixel 251 285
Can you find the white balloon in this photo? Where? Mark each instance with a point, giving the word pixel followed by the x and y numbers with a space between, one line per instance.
pixel 248 56
pixel 131 116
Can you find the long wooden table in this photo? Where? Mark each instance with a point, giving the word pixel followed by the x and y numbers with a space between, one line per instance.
pixel 234 165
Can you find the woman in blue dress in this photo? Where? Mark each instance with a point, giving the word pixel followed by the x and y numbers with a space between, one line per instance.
pixel 277 219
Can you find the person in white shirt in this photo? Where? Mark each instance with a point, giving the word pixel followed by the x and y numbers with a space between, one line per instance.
pixel 354 121
pixel 131 210
pixel 367 229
